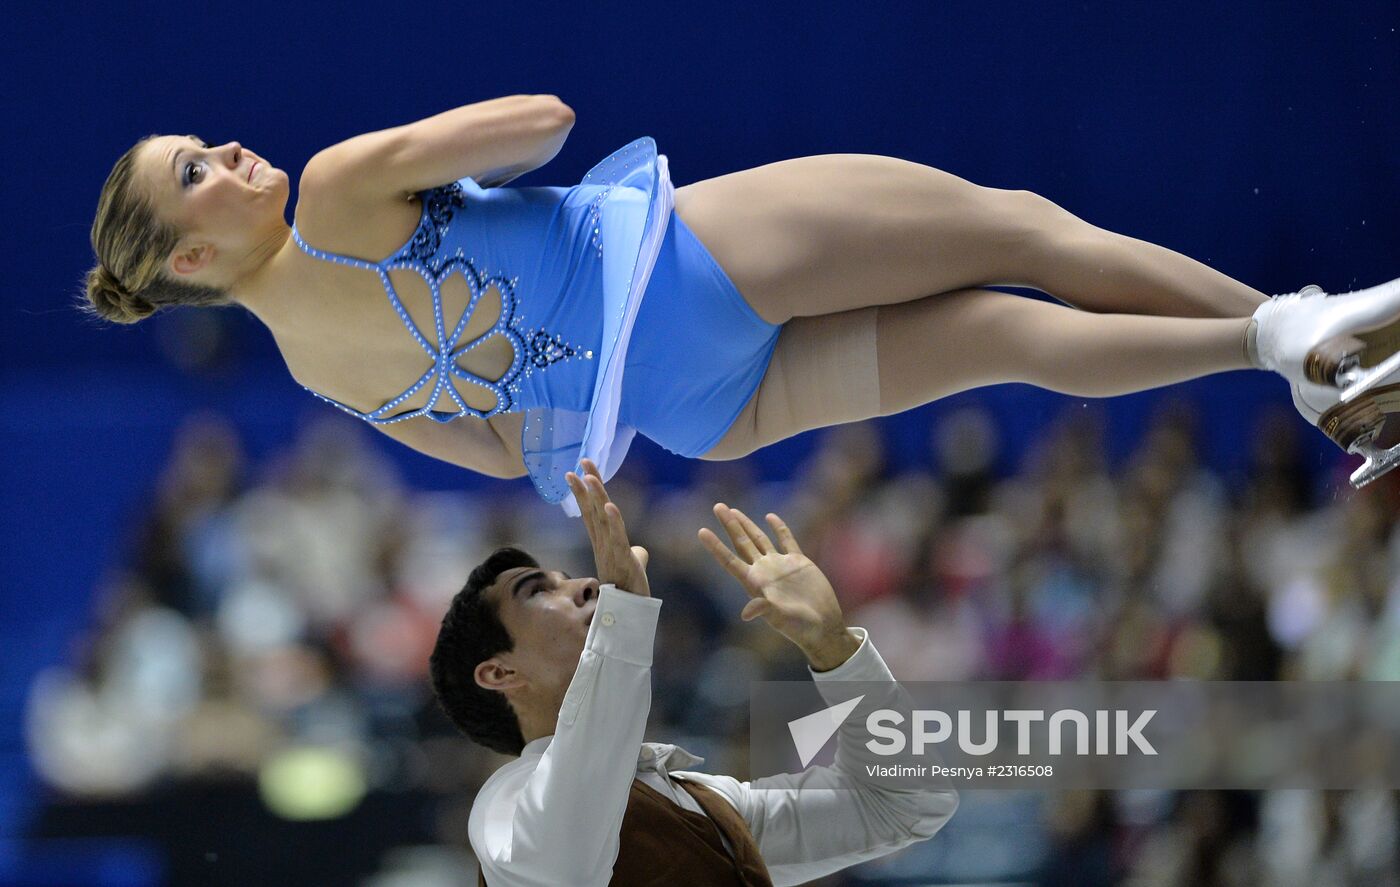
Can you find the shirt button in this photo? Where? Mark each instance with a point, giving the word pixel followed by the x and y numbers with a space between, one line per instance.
pixel 608 619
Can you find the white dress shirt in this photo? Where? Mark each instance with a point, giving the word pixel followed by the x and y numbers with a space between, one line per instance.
pixel 552 816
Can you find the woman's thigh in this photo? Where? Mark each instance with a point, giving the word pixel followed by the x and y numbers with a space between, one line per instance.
pixel 818 235
pixel 824 371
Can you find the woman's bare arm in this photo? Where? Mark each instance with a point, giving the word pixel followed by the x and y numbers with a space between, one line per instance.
pixel 490 447
pixel 491 141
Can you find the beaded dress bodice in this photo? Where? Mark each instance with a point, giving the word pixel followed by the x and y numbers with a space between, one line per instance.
pixel 571 266
pixel 539 249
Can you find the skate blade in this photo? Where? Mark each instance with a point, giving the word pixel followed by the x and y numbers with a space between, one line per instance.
pixel 1358 381
pixel 1378 462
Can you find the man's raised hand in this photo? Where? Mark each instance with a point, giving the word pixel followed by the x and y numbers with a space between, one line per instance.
pixel 618 562
pixel 785 588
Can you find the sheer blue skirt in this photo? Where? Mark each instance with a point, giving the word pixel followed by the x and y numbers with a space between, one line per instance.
pixel 681 351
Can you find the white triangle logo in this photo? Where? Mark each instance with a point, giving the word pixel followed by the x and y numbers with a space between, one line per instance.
pixel 811 733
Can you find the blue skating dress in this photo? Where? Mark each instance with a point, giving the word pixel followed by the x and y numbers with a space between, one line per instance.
pixel 619 318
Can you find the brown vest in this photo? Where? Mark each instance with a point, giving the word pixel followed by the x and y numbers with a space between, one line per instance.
pixel 663 844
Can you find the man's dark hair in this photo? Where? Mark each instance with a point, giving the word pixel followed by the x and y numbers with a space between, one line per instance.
pixel 471 633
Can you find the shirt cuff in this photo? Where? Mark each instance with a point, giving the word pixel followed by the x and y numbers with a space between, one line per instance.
pixel 623 626
pixel 865 664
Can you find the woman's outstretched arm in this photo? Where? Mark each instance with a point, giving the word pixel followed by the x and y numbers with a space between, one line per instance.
pixel 491 141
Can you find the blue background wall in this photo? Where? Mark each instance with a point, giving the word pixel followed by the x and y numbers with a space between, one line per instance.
pixel 1260 137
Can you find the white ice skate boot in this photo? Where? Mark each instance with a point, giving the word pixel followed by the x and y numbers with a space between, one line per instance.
pixel 1354 423
pixel 1348 341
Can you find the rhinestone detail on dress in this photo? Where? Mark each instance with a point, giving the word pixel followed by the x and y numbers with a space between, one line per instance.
pixel 533 350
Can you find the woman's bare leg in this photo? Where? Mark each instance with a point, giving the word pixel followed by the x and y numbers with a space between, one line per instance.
pixel 818 235
pixel 943 344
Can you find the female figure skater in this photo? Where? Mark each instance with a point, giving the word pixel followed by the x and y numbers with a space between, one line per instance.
pixel 715 318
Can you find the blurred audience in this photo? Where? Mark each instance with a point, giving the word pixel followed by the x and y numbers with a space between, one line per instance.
pixel 289 605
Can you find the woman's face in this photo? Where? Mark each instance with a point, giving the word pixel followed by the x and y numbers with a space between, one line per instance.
pixel 224 199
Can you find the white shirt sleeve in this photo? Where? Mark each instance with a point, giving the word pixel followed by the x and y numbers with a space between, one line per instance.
pixel 824 819
pixel 552 819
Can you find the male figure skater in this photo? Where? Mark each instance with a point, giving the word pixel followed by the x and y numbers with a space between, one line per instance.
pixel 557 671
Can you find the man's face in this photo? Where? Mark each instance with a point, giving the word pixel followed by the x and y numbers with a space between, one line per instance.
pixel 547 615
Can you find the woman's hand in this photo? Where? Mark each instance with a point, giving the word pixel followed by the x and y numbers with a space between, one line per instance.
pixel 618 562
pixel 785 588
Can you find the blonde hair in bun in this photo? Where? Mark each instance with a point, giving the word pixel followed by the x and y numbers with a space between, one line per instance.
pixel 108 299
